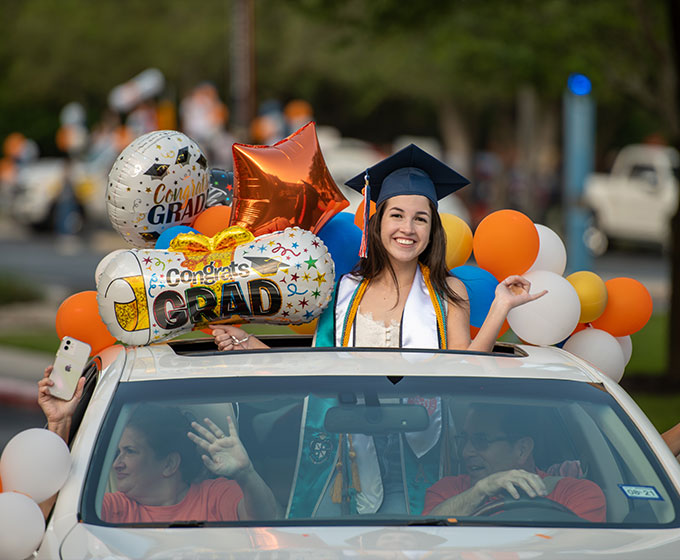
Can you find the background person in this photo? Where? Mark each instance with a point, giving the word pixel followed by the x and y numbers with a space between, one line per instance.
pixel 157 467
pixel 498 455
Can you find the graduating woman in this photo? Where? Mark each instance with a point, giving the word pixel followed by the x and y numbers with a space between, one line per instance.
pixel 401 294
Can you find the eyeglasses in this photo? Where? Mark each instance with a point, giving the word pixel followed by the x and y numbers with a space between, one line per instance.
pixel 479 441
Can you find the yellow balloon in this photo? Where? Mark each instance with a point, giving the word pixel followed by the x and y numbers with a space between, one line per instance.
pixel 592 292
pixel 458 240
pixel 304 328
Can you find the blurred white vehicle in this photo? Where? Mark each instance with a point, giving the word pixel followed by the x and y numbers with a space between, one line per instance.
pixel 580 417
pixel 34 196
pixel 636 201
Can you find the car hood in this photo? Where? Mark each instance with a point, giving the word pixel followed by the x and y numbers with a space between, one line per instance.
pixel 87 541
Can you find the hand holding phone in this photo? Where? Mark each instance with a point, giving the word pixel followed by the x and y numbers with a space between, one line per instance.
pixel 69 363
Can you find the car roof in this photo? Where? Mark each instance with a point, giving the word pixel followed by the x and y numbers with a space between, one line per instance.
pixel 199 359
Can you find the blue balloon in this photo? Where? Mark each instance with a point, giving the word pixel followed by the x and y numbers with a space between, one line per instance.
pixel 164 239
pixel 343 240
pixel 481 288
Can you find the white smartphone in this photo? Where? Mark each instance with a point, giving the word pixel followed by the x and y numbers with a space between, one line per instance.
pixel 69 363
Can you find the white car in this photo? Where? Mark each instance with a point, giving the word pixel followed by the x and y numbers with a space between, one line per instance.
pixel 293 403
pixel 637 200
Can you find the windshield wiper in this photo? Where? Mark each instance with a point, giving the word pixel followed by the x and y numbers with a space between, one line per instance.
pixel 434 521
pixel 175 524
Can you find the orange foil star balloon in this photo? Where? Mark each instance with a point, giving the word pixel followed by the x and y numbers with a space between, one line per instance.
pixel 284 185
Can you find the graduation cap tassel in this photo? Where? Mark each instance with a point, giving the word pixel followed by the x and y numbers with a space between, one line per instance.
pixel 363 249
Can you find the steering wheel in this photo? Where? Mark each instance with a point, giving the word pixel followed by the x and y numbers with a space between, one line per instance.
pixel 508 503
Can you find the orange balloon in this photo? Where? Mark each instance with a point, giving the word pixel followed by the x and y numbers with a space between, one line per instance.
pixel 359 214
pixel 212 220
pixel 474 331
pixel 579 328
pixel 287 184
pixel 78 317
pixel 505 242
pixel 629 307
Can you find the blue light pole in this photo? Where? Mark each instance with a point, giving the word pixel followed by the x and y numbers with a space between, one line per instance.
pixel 579 149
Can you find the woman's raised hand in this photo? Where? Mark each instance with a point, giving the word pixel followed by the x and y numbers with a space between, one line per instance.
pixel 224 453
pixel 57 411
pixel 514 291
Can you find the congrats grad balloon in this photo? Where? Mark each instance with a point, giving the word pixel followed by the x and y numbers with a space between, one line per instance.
pixel 160 180
pixel 285 277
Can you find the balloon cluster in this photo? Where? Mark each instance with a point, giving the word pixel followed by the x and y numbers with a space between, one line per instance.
pixel 33 466
pixel 589 317
pixel 209 246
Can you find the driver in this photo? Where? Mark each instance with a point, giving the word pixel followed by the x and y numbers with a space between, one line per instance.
pixel 498 455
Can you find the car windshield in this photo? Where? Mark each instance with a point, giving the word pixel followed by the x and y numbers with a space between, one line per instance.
pixel 382 450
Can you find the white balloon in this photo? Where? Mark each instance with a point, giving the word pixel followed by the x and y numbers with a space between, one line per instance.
pixel 35 462
pixel 158 181
pixel 103 263
pixel 22 526
pixel 552 254
pixel 600 349
pixel 551 318
pixel 626 346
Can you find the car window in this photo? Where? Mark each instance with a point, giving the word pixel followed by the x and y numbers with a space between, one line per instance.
pixel 377 450
pixel 645 173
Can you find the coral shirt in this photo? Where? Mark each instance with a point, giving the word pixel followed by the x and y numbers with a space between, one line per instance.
pixel 211 500
pixel 583 497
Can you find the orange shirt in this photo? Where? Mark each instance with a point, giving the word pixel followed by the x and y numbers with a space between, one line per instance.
pixel 210 500
pixel 583 497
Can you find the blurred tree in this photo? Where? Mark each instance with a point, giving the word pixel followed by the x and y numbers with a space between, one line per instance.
pixel 75 50
pixel 673 7
pixel 463 57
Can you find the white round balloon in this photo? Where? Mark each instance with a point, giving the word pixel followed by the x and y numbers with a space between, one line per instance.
pixel 626 346
pixel 103 264
pixel 552 255
pixel 22 526
pixel 551 318
pixel 600 349
pixel 35 462
pixel 160 180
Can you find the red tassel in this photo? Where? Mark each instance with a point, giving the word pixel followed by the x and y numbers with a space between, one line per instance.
pixel 363 249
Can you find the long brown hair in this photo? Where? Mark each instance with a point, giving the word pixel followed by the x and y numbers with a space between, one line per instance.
pixel 434 255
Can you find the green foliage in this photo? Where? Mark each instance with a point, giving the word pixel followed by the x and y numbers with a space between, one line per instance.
pixel 13 290
pixel 39 340
pixel 661 409
pixel 363 63
pixel 650 348
pixel 74 50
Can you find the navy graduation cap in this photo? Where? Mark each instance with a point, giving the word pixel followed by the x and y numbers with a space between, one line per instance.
pixel 411 170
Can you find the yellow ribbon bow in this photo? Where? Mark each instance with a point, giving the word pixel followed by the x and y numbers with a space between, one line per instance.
pixel 198 248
